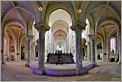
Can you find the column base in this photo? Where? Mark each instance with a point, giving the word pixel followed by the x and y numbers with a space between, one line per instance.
pixel 62 72
pixel 38 71
pixel 27 65
pixel 95 65
pixel 119 62
pixel 65 72
pixel 82 71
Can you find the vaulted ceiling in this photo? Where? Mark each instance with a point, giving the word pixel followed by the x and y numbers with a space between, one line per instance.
pixel 25 12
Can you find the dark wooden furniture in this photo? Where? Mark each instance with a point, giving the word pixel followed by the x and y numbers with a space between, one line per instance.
pixel 60 58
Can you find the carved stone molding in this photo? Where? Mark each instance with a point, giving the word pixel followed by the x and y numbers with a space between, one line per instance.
pixel 78 26
pixel 92 36
pixel 29 37
pixel 42 26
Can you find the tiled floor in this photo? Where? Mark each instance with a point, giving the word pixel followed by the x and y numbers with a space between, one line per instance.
pixel 15 71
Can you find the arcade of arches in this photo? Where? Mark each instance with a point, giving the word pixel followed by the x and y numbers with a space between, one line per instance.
pixel 81 31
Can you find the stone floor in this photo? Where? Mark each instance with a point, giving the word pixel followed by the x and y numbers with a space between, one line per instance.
pixel 15 71
pixel 60 66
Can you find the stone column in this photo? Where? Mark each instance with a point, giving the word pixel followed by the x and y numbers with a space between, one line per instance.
pixel 107 51
pixel 8 47
pixel 29 38
pixel 17 54
pixel 78 49
pixel 41 49
pixel 42 28
pixel 104 51
pixel 78 27
pixel 120 46
pixel 92 37
pixel 33 51
pixel 2 50
pixel 89 51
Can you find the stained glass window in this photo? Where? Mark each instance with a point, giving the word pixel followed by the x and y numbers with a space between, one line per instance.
pixel 113 45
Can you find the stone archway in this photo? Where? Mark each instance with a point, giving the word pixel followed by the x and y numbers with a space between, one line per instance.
pixel 11 46
pixel 60 39
pixel 22 52
pixel 23 49
pixel 105 30
pixel 99 51
pixel 59 22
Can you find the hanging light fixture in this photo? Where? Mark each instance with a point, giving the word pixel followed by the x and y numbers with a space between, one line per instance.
pixel 40 8
pixel 79 10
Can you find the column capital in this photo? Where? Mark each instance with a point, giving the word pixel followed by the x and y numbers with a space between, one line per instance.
pixel 42 26
pixel 92 36
pixel 33 43
pixel 78 25
pixel 29 37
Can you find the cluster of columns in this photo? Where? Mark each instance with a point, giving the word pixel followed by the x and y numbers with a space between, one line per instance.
pixel 78 28
pixel 29 38
pixel 91 49
pixel 41 50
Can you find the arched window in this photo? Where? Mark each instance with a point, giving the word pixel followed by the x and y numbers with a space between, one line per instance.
pixel 113 45
pixel 85 32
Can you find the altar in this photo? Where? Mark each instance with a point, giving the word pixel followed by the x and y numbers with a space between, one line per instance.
pixel 60 58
